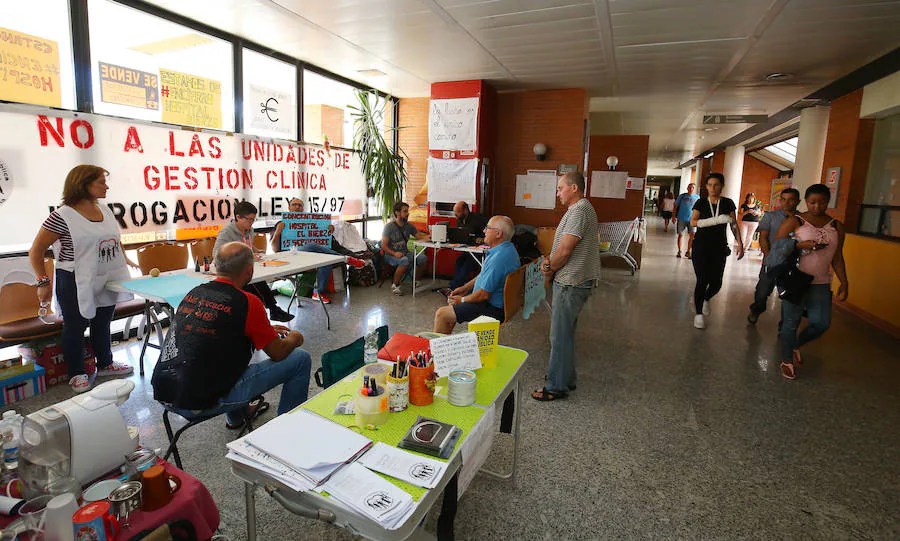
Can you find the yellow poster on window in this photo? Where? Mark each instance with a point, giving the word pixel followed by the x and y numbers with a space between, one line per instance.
pixel 29 69
pixel 190 99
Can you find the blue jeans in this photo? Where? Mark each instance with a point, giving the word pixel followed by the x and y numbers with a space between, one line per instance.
pixel 764 288
pixel 465 266
pixel 322 273
pixel 817 304
pixel 292 372
pixel 567 303
pixel 74 325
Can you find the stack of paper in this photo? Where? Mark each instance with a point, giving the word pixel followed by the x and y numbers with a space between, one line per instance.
pixel 372 495
pixel 300 449
pixel 415 469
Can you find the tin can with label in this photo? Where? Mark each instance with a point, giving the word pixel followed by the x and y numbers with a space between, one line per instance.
pixel 461 387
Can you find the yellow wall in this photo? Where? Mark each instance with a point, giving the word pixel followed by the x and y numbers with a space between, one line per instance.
pixel 873 270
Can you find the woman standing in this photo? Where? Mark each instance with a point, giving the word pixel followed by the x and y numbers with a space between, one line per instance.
pixel 749 219
pixel 668 205
pixel 711 215
pixel 820 239
pixel 88 252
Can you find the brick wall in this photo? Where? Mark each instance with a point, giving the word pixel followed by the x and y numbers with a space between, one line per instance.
pixel 553 117
pixel 414 141
pixel 632 151
pixel 848 145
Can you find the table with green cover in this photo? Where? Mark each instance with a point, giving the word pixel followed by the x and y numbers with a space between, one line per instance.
pixel 494 386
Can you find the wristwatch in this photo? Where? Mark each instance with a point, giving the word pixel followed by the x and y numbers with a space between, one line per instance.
pixel 462 299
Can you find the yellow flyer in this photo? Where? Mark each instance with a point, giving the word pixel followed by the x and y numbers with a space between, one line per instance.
pixel 487 329
pixel 190 99
pixel 29 69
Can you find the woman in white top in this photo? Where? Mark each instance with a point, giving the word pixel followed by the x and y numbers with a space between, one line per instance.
pixel 88 252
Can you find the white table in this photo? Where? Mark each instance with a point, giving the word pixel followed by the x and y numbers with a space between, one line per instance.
pixel 295 264
pixel 420 246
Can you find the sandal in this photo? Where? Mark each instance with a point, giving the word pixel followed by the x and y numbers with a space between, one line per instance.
pixel 787 371
pixel 545 395
pixel 253 410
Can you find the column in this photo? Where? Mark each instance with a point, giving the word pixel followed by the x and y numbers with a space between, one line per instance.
pixel 734 171
pixel 810 147
pixel 685 180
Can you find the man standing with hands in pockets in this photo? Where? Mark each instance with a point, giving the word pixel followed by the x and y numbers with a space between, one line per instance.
pixel 574 268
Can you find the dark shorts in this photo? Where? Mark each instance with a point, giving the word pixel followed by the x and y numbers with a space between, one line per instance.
pixel 467 311
pixel 666 214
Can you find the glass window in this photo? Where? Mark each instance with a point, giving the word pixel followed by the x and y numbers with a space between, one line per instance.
pixel 36 63
pixel 883 178
pixel 270 96
pixel 786 150
pixel 148 68
pixel 325 111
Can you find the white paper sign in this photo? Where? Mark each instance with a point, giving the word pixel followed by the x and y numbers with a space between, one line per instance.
pixel 455 352
pixel 453 124
pixel 609 184
pixel 450 181
pixel 272 113
pixel 536 190
pixel 412 468
pixel 634 183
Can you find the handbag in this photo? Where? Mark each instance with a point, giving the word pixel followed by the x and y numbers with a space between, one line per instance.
pixel 793 283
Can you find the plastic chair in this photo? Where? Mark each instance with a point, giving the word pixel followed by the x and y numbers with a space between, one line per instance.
pixel 513 294
pixel 202 248
pixel 545 240
pixel 165 256
pixel 336 364
pixel 19 307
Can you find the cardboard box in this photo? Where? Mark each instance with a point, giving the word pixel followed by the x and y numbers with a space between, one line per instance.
pixel 22 386
pixel 12 363
pixel 47 353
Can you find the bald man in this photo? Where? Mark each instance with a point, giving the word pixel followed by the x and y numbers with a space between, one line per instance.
pixel 473 223
pixel 483 295
pixel 205 366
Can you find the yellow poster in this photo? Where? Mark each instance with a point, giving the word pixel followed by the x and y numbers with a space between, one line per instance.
pixel 190 99
pixel 29 69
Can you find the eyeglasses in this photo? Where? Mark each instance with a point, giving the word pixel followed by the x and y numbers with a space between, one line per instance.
pixel 488 228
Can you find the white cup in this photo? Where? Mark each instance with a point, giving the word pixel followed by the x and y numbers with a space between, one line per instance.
pixel 58 518
pixel 100 490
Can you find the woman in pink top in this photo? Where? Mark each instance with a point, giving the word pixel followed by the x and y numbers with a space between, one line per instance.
pixel 820 239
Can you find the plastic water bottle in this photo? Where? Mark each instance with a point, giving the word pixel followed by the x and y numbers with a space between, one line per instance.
pixel 12 432
pixel 371 348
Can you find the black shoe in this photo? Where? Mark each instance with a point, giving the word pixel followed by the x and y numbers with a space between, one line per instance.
pixel 277 314
pixel 752 317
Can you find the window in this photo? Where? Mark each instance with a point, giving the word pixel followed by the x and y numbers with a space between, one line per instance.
pixel 36 63
pixel 881 207
pixel 149 68
pixel 325 110
pixel 786 150
pixel 270 96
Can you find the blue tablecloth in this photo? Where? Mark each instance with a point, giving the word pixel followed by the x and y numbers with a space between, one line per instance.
pixel 172 288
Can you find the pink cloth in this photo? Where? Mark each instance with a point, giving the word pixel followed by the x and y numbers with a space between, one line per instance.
pixel 818 262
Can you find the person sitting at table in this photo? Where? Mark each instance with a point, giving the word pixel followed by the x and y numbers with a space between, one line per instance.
pixel 322 273
pixel 241 230
pixel 466 265
pixel 394 244
pixel 88 252
pixel 205 365
pixel 483 295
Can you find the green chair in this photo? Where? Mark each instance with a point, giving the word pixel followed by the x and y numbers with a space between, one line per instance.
pixel 338 363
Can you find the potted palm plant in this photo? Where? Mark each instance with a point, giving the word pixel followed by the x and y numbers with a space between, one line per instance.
pixel 382 166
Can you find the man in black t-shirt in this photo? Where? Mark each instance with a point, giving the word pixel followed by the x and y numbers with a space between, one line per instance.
pixel 466 265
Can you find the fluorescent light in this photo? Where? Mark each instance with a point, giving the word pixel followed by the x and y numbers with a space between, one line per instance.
pixel 708 155
pixel 372 72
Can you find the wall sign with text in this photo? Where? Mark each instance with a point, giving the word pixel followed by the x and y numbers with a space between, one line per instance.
pixel 29 69
pixel 302 228
pixel 453 124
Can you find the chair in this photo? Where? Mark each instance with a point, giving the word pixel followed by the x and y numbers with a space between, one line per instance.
pixel 513 294
pixel 618 234
pixel 202 248
pixel 19 307
pixel 545 240
pixel 260 242
pixel 173 436
pixel 165 256
pixel 336 364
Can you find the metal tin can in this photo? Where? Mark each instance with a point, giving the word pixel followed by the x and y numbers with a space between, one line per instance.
pixel 461 387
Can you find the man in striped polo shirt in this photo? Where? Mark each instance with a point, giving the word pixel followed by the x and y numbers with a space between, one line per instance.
pixel 574 267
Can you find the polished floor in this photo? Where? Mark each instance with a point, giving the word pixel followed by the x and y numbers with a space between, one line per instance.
pixel 674 433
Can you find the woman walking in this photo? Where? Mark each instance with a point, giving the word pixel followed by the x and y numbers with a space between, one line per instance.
pixel 88 252
pixel 711 215
pixel 666 208
pixel 820 239
pixel 749 219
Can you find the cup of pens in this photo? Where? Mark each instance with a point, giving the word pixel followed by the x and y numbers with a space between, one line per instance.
pixel 371 404
pixel 421 380
pixel 398 387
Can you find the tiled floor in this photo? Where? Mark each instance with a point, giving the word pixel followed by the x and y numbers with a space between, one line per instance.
pixel 673 432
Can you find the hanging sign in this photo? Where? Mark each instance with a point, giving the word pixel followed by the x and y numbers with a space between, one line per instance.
pixel 270 112
pixel 453 124
pixel 302 228
pixel 126 86
pixel 29 69
pixel 190 99
pixel 450 181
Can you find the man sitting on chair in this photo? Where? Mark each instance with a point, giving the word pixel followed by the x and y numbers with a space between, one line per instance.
pixel 322 273
pixel 483 295
pixel 205 364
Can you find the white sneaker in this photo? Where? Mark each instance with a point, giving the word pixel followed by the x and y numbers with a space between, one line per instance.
pixel 699 322
pixel 705 308
pixel 395 289
pixel 80 383
pixel 116 369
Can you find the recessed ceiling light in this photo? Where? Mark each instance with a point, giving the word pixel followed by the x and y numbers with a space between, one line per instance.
pixel 710 129
pixel 778 76
pixel 372 72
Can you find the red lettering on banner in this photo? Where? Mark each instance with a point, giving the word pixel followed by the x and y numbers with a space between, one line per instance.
pixel 76 133
pixel 132 141
pixel 321 156
pixel 322 183
pixel 172 150
pixel 151 182
pixel 246 149
pixel 214 150
pixel 232 174
pixel 247 179
pixel 44 127
pixel 191 183
pixel 269 183
pixel 196 147
pixel 208 171
pixel 291 158
pixel 169 170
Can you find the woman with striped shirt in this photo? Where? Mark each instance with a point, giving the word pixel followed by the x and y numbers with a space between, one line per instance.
pixel 88 252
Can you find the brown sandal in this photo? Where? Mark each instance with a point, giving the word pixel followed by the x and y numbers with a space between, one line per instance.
pixel 545 395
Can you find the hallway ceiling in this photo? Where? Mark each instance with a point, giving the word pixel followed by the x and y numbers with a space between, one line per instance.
pixel 650 66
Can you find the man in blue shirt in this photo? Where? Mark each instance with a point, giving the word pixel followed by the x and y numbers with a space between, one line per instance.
pixel 684 207
pixel 483 295
pixel 768 226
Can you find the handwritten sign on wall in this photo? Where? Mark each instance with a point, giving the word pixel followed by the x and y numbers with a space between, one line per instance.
pixel 301 228
pixel 450 181
pixel 453 124
pixel 190 99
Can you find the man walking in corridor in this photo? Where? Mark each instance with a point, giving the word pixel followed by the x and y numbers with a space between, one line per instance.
pixel 684 207
pixel 574 268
